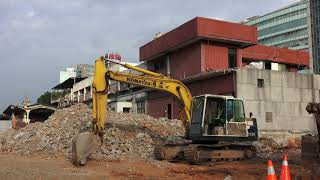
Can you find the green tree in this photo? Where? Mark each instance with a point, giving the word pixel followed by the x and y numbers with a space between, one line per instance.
pixel 45 98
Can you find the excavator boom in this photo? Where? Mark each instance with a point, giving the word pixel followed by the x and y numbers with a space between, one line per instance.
pixel 149 79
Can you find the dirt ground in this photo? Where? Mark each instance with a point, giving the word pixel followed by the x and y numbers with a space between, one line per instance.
pixel 40 167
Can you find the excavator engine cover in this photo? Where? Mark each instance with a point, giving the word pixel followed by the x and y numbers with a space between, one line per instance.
pixel 82 146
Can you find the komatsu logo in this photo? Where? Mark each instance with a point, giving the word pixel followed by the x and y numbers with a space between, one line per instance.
pixel 144 82
pixel 139 81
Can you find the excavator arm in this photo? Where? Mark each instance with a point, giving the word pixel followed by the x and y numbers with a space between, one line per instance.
pixel 100 87
pixel 148 79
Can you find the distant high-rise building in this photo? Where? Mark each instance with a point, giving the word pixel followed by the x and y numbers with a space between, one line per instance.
pixel 295 26
pixel 315 34
pixel 286 27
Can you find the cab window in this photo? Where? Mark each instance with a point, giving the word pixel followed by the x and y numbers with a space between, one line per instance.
pixel 239 111
pixel 235 112
pixel 230 114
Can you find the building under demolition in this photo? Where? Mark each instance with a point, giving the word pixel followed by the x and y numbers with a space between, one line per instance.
pixel 28 113
pixel 218 57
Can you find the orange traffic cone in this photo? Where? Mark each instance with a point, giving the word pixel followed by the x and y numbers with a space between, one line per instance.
pixel 271 174
pixel 285 171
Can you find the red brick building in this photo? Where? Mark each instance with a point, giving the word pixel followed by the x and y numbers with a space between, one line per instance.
pixel 196 50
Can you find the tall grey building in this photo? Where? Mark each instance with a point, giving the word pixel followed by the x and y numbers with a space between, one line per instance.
pixel 315 34
pixel 295 26
pixel 286 27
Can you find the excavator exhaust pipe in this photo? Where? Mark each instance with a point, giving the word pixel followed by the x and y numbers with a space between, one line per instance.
pixel 83 144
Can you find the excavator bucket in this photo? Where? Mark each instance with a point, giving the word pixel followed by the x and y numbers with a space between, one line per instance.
pixel 83 144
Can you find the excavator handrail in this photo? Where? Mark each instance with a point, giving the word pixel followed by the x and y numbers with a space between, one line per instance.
pixel 149 79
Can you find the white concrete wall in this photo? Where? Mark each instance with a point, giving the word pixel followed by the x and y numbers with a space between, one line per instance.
pixel 285 94
pixel 81 86
pixel 132 98
pixel 118 106
pixel 121 105
pixel 64 75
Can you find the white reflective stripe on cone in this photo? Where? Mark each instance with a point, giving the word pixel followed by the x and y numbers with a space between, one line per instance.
pixel 271 171
pixel 285 163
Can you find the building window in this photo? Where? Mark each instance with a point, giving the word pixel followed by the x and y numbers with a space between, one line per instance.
pixel 141 107
pixel 269 117
pixel 88 93
pixel 169 111
pixel 125 110
pixel 232 57
pixel 159 65
pixel 267 65
pixel 260 83
pixel 124 86
pixel 81 96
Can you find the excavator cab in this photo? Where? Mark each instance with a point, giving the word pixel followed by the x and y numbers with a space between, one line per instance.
pixel 220 118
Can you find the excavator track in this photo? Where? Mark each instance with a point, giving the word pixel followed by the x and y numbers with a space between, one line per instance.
pixel 198 154
pixel 191 155
pixel 170 152
pixel 203 153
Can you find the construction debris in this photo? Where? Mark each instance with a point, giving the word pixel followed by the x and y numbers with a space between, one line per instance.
pixel 275 146
pixel 129 136
pixel 126 135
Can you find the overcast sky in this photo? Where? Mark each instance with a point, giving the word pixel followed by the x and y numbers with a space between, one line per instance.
pixel 38 38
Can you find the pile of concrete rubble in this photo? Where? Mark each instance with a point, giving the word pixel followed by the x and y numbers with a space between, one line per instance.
pixel 126 135
pixel 273 147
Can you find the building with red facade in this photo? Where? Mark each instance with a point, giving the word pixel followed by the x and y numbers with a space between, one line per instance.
pixel 204 54
pixel 224 58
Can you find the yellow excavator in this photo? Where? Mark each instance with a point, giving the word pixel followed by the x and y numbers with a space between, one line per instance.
pixel 215 125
